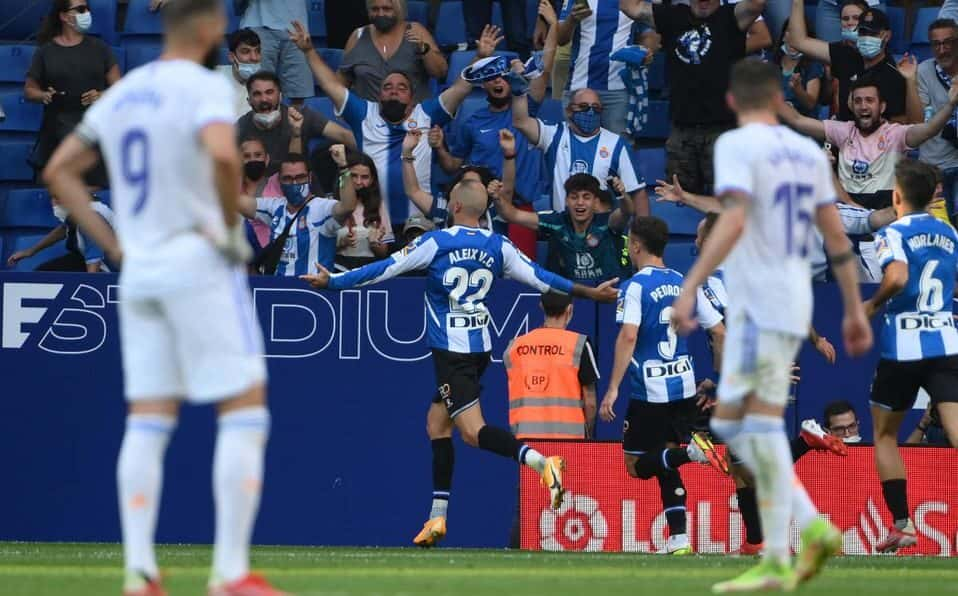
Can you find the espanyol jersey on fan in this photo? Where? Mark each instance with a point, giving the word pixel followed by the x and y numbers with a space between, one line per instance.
pixel 597 37
pixel 918 321
pixel 714 292
pixel 165 203
pixel 787 177
pixel 462 263
pixel 661 367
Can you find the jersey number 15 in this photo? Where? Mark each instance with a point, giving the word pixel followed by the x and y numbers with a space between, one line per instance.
pixel 798 221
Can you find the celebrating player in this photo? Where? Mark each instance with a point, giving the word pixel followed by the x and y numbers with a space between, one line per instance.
pixel 187 324
pixel 662 408
pixel 774 185
pixel 462 262
pixel 919 343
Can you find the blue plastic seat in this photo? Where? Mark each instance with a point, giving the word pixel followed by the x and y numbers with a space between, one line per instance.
pixel 141 49
pixel 332 57
pixel 21 115
pixel 140 20
pixel 658 125
pixel 21 20
pixel 532 13
pixel 120 54
pixel 460 59
pixel 316 11
pixel 551 111
pixel 921 51
pixel 324 106
pixel 899 37
pixel 923 18
pixel 14 166
pixel 15 61
pixel 450 25
pixel 657 79
pixel 680 253
pixel 27 208
pixel 23 240
pixel 418 11
pixel 104 20
pixel 681 219
pixel 652 165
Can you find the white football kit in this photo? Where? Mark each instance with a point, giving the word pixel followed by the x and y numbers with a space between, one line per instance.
pixel 187 325
pixel 767 274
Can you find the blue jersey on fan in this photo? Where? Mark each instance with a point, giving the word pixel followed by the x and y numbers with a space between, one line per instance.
pixel 661 367
pixel 918 321
pixel 462 263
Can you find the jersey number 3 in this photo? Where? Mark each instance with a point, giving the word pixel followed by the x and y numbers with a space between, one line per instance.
pixel 134 157
pixel 667 347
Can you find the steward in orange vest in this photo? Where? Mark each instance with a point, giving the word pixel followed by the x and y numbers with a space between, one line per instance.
pixel 552 375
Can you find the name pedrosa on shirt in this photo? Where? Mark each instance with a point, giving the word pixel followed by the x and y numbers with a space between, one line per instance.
pixel 472 254
pixel 665 292
pixel 920 241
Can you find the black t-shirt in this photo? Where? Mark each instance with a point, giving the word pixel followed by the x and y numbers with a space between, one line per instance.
pixel 848 65
pixel 700 55
pixel 71 71
pixel 588 369
pixel 277 139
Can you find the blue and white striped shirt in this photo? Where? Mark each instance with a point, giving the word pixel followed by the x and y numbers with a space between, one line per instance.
pixel 462 263
pixel 312 238
pixel 918 322
pixel 605 32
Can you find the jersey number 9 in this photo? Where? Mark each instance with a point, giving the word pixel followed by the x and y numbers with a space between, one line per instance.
pixel 134 157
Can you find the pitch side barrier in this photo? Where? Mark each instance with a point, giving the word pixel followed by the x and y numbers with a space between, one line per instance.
pixel 350 382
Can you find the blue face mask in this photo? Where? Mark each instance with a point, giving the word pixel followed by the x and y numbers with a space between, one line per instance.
pixel 869 47
pixel 587 121
pixel 850 35
pixel 296 194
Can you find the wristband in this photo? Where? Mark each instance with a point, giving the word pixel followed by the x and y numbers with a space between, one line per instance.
pixel 408 158
pixel 423 49
pixel 504 156
pixel 843 258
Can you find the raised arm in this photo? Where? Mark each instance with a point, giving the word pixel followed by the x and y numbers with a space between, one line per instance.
pixel 674 193
pixel 327 79
pixel 538 86
pixel 919 133
pixel 759 37
pixel 579 12
pixel 638 10
pixel 428 51
pixel 808 126
pixel 340 134
pixel 522 121
pixel 410 180
pixel 747 11
pixel 347 192
pixel 437 141
pixel 798 35
pixel 914 109
pixel 504 206
pixel 417 255
pixel 517 266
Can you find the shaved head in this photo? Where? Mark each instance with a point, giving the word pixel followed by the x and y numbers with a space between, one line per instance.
pixel 471 194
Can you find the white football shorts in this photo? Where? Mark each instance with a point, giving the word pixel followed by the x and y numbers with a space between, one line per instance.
pixel 204 345
pixel 756 361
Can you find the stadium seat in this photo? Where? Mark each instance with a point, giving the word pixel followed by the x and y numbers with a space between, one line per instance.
pixel 497 14
pixel 923 18
pixel 120 54
pixel 921 51
pixel 657 80
pixel 14 64
pixel 324 106
pixel 652 165
pixel 460 59
pixel 658 125
pixel 141 49
pixel 20 21
pixel 532 13
pixel 316 10
pixel 418 11
pixel 140 20
pixel 27 208
pixel 332 57
pixel 104 20
pixel 551 111
pixel 899 38
pixel 21 115
pixel 681 220
pixel 680 253
pixel 21 241
pixel 450 25
pixel 14 167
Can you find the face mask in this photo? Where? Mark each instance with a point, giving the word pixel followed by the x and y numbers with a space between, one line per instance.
pixel 868 46
pixel 787 73
pixel 588 121
pixel 384 24
pixel 393 110
pixel 794 55
pixel 296 194
pixel 60 213
pixel 852 439
pixel 245 71
pixel 850 35
pixel 254 170
pixel 499 102
pixel 364 193
pixel 267 120
pixel 84 21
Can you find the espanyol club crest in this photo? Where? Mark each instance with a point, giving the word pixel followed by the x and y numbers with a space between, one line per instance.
pixel 579 166
pixel 882 143
pixel 603 152
pixel 591 241
pixel 694 45
pixel 411 124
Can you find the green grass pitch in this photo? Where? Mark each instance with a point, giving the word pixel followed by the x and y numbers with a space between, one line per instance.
pixel 31 569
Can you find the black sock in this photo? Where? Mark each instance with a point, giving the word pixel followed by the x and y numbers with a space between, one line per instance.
pixel 748 507
pixel 443 458
pixel 676 457
pixel 896 499
pixel 652 463
pixel 672 492
pixel 499 441
pixel 799 448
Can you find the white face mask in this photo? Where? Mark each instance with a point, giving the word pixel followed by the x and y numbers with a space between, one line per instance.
pixel 267 120
pixel 246 70
pixel 84 21
pixel 852 439
pixel 60 213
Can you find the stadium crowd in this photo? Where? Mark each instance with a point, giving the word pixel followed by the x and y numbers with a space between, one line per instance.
pixel 568 152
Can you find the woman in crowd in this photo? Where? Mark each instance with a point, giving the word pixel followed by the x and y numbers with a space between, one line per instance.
pixel 802 77
pixel 70 71
pixel 367 235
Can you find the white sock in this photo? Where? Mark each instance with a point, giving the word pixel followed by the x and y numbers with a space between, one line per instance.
pixel 439 508
pixel 139 475
pixel 803 509
pixel 532 458
pixel 237 485
pixel 772 467
pixel 726 428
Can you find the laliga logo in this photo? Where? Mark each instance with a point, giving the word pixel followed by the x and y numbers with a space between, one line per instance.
pixel 577 525
pixel 864 538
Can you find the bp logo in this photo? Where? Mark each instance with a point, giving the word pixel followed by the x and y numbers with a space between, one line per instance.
pixel 577 525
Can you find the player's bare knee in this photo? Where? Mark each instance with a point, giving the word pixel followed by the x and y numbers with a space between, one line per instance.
pixel 630 466
pixel 159 407
pixel 254 397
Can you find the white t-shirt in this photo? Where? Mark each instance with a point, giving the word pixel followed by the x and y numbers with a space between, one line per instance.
pixel 787 178
pixel 148 129
pixel 240 95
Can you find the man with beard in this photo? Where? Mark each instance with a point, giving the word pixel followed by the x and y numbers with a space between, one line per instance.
pixel 380 127
pixel 869 147
pixel 269 121
pixel 934 79
pixel 702 40
pixel 581 146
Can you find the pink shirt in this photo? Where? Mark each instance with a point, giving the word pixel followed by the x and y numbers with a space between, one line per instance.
pixel 867 164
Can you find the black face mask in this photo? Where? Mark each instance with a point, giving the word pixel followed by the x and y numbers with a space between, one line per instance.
pixel 384 24
pixel 393 110
pixel 254 170
pixel 212 58
pixel 499 102
pixel 365 193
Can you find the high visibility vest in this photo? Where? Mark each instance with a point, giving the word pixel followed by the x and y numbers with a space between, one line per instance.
pixel 545 396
